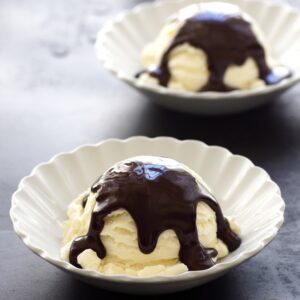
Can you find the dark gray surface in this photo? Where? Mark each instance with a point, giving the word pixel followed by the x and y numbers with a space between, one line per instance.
pixel 54 96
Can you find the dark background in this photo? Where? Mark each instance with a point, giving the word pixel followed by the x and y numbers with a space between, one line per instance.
pixel 54 96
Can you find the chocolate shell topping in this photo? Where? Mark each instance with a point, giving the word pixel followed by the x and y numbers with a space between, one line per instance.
pixel 158 196
pixel 227 39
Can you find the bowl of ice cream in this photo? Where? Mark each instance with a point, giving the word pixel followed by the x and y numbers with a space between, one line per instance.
pixel 147 216
pixel 204 57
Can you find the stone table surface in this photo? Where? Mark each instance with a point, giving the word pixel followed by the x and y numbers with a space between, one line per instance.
pixel 54 96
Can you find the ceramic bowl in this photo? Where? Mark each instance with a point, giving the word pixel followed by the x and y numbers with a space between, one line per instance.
pixel 243 190
pixel 120 42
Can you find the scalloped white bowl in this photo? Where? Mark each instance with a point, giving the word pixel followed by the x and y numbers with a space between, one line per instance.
pixel 243 190
pixel 120 42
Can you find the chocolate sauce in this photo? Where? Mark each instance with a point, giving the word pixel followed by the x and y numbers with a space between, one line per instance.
pixel 227 39
pixel 158 197
pixel 84 200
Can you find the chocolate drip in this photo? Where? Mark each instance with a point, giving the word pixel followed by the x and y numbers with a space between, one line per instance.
pixel 157 197
pixel 226 39
pixel 84 200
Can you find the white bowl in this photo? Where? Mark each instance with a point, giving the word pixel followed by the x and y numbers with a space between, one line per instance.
pixel 120 42
pixel 244 191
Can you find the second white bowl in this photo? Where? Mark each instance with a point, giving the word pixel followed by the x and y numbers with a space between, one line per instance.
pixel 244 192
pixel 120 42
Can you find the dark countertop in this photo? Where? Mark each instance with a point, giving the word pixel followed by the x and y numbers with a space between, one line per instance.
pixel 54 96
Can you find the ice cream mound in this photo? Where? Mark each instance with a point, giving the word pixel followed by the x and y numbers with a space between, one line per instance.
pixel 210 47
pixel 147 216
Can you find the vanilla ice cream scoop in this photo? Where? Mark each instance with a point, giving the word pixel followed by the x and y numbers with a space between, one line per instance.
pixel 147 216
pixel 210 47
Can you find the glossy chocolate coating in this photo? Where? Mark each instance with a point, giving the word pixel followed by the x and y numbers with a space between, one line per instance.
pixel 227 39
pixel 158 197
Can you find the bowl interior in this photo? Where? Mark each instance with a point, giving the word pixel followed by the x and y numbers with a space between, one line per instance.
pixel 243 191
pixel 122 41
